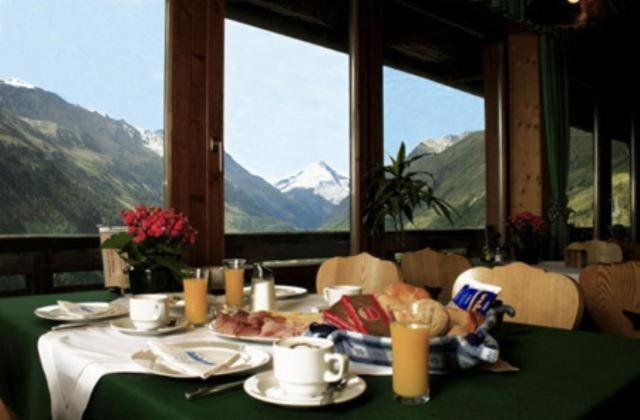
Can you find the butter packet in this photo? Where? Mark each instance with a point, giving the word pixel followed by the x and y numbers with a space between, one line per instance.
pixel 476 296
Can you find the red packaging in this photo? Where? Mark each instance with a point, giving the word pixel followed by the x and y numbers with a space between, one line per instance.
pixel 361 313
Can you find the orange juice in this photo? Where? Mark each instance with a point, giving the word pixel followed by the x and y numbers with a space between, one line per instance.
pixel 233 282
pixel 410 349
pixel 195 300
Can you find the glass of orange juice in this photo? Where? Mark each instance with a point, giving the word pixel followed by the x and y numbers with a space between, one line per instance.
pixel 410 329
pixel 234 282
pixel 196 284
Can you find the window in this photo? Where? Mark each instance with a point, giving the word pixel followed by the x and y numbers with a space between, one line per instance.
pixel 580 181
pixel 81 112
pixel 448 125
pixel 286 134
pixel 620 183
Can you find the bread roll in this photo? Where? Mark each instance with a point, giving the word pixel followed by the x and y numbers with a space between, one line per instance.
pixel 463 319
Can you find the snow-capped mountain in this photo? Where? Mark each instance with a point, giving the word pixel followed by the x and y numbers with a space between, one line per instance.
pixel 17 83
pixel 153 140
pixel 433 146
pixel 320 179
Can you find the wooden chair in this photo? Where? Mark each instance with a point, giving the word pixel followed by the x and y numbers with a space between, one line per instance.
pixel 539 297
pixel 609 290
pixel 373 274
pixel 599 251
pixel 433 269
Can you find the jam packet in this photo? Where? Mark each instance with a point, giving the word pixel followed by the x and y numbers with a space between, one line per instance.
pixel 476 296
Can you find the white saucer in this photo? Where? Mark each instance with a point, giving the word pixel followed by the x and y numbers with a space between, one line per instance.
pixel 265 387
pixel 106 310
pixel 125 325
pixel 214 352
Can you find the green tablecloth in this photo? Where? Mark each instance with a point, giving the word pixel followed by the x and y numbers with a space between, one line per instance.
pixel 563 375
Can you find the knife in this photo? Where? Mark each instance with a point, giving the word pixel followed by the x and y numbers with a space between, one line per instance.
pixel 211 390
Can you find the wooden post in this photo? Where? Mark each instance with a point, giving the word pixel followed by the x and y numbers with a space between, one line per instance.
pixel 528 173
pixel 195 52
pixel 365 59
pixel 602 174
pixel 635 181
pixel 496 147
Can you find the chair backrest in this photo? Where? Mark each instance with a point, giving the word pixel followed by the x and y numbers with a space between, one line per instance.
pixel 433 269
pixel 373 274
pixel 610 289
pixel 599 251
pixel 539 297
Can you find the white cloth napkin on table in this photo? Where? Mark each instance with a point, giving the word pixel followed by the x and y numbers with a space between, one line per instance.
pixel 175 358
pixel 80 311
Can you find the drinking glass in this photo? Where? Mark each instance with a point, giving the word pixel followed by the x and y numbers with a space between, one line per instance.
pixel 410 328
pixel 196 284
pixel 234 282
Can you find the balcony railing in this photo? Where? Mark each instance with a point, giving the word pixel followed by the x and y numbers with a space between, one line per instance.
pixel 40 257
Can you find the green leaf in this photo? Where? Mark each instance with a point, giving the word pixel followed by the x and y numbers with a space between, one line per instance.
pixel 117 241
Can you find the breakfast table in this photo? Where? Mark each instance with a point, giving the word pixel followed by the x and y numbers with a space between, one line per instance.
pixel 562 374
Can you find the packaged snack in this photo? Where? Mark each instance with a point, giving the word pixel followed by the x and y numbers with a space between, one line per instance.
pixel 476 296
pixel 360 313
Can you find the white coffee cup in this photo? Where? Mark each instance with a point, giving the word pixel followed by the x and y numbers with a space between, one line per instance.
pixel 332 294
pixel 148 312
pixel 304 366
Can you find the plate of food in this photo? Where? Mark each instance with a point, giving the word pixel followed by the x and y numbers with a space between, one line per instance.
pixel 262 326
pixel 283 291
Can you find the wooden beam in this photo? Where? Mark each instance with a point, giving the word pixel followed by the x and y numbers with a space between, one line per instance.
pixel 602 173
pixel 496 148
pixel 635 177
pixel 528 169
pixel 365 51
pixel 195 51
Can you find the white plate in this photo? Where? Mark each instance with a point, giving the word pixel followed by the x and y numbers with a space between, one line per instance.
pixel 214 352
pixel 126 326
pixel 251 339
pixel 264 387
pixel 283 291
pixel 55 313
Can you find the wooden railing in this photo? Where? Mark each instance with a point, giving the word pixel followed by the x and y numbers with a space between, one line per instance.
pixel 38 257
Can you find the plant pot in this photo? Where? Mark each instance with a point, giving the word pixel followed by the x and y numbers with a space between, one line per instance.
pixel 529 255
pixel 152 280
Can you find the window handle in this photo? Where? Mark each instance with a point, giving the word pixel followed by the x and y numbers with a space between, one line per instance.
pixel 216 147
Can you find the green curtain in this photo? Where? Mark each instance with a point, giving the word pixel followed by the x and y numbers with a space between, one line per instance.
pixel 555 115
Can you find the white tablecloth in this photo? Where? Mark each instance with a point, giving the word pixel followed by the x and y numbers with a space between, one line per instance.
pixel 74 360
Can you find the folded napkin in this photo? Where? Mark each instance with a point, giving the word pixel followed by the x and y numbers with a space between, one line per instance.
pixel 80 311
pixel 188 362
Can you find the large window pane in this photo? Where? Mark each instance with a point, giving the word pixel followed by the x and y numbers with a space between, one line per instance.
pixel 81 112
pixel 286 134
pixel 620 183
pixel 580 182
pixel 448 125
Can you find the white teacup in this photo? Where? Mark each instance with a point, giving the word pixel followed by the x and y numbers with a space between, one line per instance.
pixel 304 366
pixel 332 294
pixel 148 312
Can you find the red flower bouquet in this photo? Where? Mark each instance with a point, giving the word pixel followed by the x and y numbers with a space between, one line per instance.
pixel 527 233
pixel 155 238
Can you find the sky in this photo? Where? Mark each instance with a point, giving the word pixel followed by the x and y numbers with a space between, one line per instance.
pixel 286 101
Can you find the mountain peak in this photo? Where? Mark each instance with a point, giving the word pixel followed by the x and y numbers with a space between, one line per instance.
pixel 319 177
pixel 12 81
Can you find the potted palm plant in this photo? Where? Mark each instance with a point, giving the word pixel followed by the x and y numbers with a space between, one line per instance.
pixel 398 190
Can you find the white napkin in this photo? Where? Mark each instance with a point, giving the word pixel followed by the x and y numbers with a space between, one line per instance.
pixel 81 311
pixel 188 362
